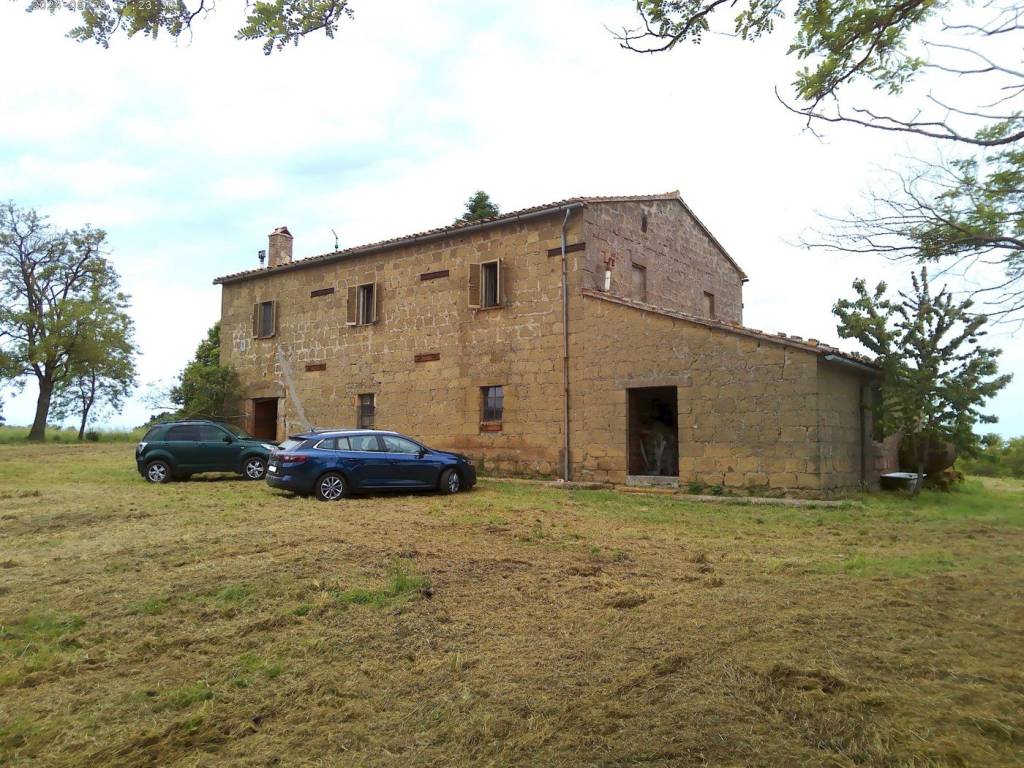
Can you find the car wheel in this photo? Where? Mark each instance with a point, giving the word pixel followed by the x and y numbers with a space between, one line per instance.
pixel 331 487
pixel 450 481
pixel 158 472
pixel 255 468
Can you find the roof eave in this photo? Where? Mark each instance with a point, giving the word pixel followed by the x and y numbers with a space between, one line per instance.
pixel 387 245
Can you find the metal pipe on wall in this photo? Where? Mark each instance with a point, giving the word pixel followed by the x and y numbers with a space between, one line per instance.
pixel 565 350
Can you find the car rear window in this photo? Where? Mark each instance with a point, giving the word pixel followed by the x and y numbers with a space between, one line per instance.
pixel 364 443
pixel 183 432
pixel 334 444
pixel 290 444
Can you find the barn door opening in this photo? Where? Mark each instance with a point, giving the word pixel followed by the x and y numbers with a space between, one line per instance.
pixel 264 421
pixel 653 432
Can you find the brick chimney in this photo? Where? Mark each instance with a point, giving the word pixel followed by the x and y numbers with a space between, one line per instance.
pixel 280 247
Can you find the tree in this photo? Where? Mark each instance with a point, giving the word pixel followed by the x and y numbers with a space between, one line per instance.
pixel 962 214
pixel 935 376
pixel 953 212
pixel 998 457
pixel 873 41
pixel 277 23
pixel 104 376
pixel 479 206
pixel 205 388
pixel 59 296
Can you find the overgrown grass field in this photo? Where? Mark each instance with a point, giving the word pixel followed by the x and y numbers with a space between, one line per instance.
pixel 17 435
pixel 219 622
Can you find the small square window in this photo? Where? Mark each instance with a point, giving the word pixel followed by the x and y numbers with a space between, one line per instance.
pixel 365 411
pixel 493 404
pixel 709 305
pixel 639 282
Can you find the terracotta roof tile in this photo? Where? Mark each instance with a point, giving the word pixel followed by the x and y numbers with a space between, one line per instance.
pixel 811 345
pixel 454 229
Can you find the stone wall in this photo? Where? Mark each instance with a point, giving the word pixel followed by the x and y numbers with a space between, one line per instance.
pixel 680 259
pixel 749 408
pixel 518 345
pixel 752 412
pixel 839 425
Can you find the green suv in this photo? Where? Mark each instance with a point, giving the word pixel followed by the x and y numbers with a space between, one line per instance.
pixel 178 449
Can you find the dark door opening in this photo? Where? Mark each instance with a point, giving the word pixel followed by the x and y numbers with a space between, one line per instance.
pixel 653 431
pixel 264 418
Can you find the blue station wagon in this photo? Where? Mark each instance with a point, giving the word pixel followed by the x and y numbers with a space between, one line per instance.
pixel 333 464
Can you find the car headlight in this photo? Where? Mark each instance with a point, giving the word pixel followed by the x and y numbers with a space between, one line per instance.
pixel 269 447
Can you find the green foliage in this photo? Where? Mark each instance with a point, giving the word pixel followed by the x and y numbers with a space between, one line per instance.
pixel 478 206
pixel 845 39
pixel 205 388
pixel 102 377
pixel 935 377
pixel 10 435
pixel 276 23
pixel 997 457
pixel 958 211
pixel 62 313
pixel 288 21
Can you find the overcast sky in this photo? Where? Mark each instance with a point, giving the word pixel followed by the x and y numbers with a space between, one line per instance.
pixel 189 154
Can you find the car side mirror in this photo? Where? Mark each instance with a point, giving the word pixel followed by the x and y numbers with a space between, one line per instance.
pixel 421 453
pixel 227 439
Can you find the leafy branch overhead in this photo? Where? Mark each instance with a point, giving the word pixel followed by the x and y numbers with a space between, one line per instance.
pixel 277 23
pixel 879 42
pixel 884 65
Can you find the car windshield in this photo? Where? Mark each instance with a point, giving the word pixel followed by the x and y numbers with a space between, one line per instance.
pixel 237 431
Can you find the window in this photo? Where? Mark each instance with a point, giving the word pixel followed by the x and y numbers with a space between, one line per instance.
pixel 264 319
pixel 365 412
pixel 485 285
pixel 333 444
pixel 362 304
pixel 364 443
pixel 183 433
pixel 709 305
pixel 639 282
pixel 211 434
pixel 395 444
pixel 493 403
pixel 643 223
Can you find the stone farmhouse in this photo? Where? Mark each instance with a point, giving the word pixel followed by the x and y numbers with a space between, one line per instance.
pixel 595 339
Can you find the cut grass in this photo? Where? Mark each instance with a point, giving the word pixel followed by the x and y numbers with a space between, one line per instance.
pixel 219 622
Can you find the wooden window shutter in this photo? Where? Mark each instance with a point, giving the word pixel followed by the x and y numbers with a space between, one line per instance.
pixel 474 286
pixel 255 321
pixel 273 319
pixel 376 303
pixel 499 275
pixel 353 301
